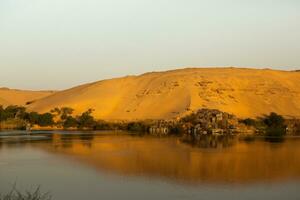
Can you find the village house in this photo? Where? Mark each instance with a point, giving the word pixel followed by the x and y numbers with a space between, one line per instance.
pixel 160 128
pixel 293 126
pixel 212 122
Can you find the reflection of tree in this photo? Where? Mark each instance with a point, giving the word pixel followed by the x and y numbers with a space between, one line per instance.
pixel 87 139
pixel 66 140
pixel 210 141
pixel 274 139
pixel 23 140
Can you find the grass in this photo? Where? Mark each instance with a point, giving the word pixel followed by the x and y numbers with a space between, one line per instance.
pixel 15 194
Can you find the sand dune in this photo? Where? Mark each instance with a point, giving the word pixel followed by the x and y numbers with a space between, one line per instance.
pixel 170 94
pixel 20 97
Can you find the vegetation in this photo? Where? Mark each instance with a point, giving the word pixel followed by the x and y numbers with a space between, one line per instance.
pixel 14 194
pixel 272 125
pixel 249 122
pixel 45 119
pixel 86 120
pixel 137 127
pixel 70 122
pixel 275 125
pixel 16 117
pixel 11 112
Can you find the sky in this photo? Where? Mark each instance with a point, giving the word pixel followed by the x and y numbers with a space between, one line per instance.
pixel 57 44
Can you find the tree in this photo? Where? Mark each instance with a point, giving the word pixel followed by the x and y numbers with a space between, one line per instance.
pixel 86 120
pixel 65 112
pixel 274 120
pixel 21 112
pixel 1 113
pixel 11 112
pixel 249 122
pixel 137 127
pixel 46 119
pixel 32 117
pixel 275 125
pixel 55 111
pixel 70 122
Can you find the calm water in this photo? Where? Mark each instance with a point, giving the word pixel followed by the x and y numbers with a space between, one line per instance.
pixel 77 166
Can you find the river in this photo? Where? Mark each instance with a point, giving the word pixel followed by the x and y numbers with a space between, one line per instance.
pixel 106 165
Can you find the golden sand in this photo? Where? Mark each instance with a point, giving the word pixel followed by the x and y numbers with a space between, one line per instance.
pixel 20 97
pixel 171 94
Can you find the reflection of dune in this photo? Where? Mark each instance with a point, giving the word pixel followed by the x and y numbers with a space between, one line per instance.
pixel 169 158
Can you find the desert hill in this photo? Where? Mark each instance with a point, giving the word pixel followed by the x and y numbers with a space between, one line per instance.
pixel 20 97
pixel 170 94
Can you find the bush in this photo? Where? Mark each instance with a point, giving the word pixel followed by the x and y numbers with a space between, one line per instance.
pixel 70 122
pixel 102 125
pixel 86 120
pixel 45 119
pixel 14 194
pixel 66 112
pixel 249 122
pixel 32 117
pixel 274 120
pixel 11 112
pixel 137 127
pixel 275 125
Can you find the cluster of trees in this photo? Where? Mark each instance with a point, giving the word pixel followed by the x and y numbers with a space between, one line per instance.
pixel 19 112
pixel 271 125
pixel 58 117
pixel 64 118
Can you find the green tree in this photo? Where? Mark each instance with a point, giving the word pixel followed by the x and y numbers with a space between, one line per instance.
pixel 55 112
pixel 137 127
pixel 66 112
pixel 249 122
pixel 86 120
pixel 12 112
pixel 32 117
pixel 70 122
pixel 46 119
pixel 275 125
pixel 1 113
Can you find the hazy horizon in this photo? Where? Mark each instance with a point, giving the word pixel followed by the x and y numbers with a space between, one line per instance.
pixel 58 44
pixel 178 68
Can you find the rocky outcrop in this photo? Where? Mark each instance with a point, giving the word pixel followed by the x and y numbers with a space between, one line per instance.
pixel 293 126
pixel 202 122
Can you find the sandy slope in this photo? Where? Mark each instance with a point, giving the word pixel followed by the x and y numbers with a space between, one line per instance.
pixel 243 92
pixel 20 97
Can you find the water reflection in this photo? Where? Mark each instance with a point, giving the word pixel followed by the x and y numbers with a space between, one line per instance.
pixel 210 160
pixel 275 139
pixel 210 141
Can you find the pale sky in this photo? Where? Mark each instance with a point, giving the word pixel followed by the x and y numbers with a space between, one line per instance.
pixel 56 44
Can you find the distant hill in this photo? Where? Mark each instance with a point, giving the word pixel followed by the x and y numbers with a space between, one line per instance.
pixel 20 97
pixel 171 94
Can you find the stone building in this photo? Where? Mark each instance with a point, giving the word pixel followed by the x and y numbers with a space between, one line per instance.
pixel 293 126
pixel 211 121
pixel 160 128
